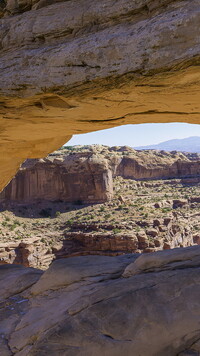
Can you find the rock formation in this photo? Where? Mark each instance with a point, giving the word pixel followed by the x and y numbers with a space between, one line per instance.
pixel 88 176
pixel 88 239
pixel 79 178
pixel 28 253
pixel 147 305
pixel 177 168
pixel 71 67
pixel 77 66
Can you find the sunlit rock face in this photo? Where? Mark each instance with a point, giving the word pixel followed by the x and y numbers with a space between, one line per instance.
pixel 79 178
pixel 88 176
pixel 71 67
pixel 176 168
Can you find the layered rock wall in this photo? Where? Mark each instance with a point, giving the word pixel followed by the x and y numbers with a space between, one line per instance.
pixel 131 168
pixel 76 179
pixel 88 177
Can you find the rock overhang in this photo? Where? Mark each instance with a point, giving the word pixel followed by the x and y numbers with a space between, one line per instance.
pixel 74 67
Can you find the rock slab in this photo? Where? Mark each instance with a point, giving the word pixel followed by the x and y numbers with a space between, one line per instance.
pixel 84 306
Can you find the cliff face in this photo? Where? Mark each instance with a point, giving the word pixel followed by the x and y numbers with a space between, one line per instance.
pixel 131 168
pixel 70 67
pixel 76 178
pixel 88 176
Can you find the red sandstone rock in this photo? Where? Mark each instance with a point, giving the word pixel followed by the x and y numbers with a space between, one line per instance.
pixel 76 178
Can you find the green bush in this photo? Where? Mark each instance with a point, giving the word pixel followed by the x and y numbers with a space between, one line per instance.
pixel 116 231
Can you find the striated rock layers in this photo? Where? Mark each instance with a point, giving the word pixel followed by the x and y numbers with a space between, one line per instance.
pixel 147 305
pixel 69 67
pixel 178 168
pixel 79 178
pixel 85 239
pixel 88 176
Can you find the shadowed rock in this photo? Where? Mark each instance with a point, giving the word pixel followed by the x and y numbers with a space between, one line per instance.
pixel 82 306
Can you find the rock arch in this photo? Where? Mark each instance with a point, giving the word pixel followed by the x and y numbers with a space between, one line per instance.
pixel 72 67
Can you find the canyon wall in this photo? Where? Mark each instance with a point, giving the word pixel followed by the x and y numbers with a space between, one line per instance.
pixel 131 168
pixel 79 178
pixel 87 177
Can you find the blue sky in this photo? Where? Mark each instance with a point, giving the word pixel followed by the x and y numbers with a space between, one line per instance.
pixel 137 135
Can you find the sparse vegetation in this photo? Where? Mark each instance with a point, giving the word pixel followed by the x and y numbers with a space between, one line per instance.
pixel 132 212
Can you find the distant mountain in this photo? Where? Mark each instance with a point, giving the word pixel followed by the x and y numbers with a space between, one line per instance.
pixel 190 144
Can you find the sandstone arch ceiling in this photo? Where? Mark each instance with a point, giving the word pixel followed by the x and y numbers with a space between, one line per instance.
pixel 70 67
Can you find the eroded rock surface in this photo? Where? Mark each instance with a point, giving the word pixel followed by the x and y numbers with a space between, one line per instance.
pixel 77 66
pixel 85 178
pixel 86 173
pixel 95 311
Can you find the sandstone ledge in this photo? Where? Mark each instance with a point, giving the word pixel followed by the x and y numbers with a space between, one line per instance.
pixel 83 306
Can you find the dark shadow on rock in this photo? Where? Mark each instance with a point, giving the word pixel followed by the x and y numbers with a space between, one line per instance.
pixel 41 209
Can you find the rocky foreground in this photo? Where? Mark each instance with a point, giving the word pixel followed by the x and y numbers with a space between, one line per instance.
pixel 133 304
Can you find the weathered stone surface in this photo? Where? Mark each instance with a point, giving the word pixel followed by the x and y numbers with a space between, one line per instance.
pixel 83 306
pixel 79 66
pixel 29 253
pixel 155 165
pixel 175 259
pixel 82 177
pixel 88 176
pixel 15 279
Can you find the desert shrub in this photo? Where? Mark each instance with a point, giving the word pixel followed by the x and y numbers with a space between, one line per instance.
pixel 121 207
pixel 16 222
pixel 166 210
pixel 69 222
pixel 13 227
pixel 116 231
pixel 107 216
pixel 196 227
